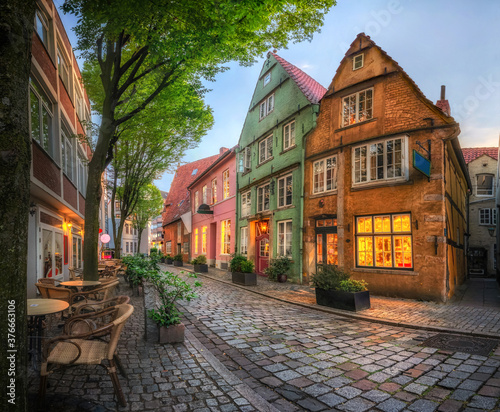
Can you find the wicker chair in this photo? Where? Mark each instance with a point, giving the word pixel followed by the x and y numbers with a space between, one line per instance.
pixel 47 281
pixel 53 292
pixel 81 349
pixel 97 295
pixel 104 304
pixel 75 274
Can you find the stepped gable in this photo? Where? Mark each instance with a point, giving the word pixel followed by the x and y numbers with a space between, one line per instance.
pixel 178 201
pixel 310 87
pixel 472 153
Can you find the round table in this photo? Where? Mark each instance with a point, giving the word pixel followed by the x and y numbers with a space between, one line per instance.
pixel 42 307
pixel 80 283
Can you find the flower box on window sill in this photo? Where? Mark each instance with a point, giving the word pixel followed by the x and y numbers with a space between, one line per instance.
pixel 353 301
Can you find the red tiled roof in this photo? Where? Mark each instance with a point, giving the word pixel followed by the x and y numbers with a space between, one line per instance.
pixel 310 87
pixel 178 202
pixel 472 153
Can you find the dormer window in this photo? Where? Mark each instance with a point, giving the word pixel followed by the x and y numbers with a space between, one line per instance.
pixel 484 185
pixel 267 79
pixel 358 61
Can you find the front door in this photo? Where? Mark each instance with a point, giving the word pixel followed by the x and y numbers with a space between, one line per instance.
pixel 262 252
pixel 326 242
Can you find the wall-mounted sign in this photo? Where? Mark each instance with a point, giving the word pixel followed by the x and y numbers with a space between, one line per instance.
pixel 105 238
pixel 421 163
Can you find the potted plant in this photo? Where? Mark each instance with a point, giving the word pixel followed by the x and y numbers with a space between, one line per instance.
pixel 170 288
pixel 178 260
pixel 200 263
pixel 278 269
pixel 242 271
pixel 335 288
pixel 169 259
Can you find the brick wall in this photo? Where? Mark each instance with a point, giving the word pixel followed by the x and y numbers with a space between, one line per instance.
pixel 42 58
pixel 45 170
pixel 65 101
pixel 70 193
pixel 82 204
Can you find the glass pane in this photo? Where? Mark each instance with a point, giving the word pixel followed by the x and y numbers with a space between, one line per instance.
pixel 35 117
pixel 319 248
pixel 406 223
pixel 396 220
pixel 48 253
pixel 46 130
pixel 331 249
pixel 328 222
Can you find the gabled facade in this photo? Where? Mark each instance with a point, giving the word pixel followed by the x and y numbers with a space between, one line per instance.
pixel 482 164
pixel 177 212
pixel 367 207
pixel 213 208
pixel 59 110
pixel 282 112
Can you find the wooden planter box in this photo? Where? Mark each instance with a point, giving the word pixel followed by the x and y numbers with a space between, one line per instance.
pixel 354 301
pixel 169 261
pixel 171 334
pixel 201 268
pixel 245 279
pixel 177 263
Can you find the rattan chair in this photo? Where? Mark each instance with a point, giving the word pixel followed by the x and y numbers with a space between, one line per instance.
pixel 47 281
pixel 53 292
pixel 104 304
pixel 75 274
pixel 97 295
pixel 83 349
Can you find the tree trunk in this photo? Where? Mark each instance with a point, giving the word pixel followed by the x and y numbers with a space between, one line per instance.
pixel 16 30
pixel 118 240
pixel 139 232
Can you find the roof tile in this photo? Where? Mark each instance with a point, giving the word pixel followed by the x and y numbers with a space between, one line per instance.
pixel 472 153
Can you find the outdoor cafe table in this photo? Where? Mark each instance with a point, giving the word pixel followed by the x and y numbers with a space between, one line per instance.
pixel 80 283
pixel 37 310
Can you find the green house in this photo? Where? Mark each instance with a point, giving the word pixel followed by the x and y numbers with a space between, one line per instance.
pixel 271 149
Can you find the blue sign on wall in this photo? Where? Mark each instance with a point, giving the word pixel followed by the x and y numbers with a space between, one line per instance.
pixel 421 163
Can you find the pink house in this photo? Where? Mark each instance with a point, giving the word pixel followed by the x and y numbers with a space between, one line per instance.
pixel 213 207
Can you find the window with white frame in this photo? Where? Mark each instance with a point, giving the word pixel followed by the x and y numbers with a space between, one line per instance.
pixel 225 237
pixel 42 27
pixel 41 118
pixel 179 232
pixel 68 154
pixel 484 185
pixel 246 203
pixel 266 149
pixel 325 175
pixel 263 193
pixel 383 160
pixel 196 241
pixel 358 61
pixel 289 135
pixel 82 173
pixel 196 202
pixel 285 238
pixel 357 107
pixel 285 191
pixel 127 247
pixel 225 184
pixel 63 68
pixel 244 240
pixel 247 165
pixel 487 216
pixel 79 103
pixel 266 106
pixel 204 194
pixel 168 247
pixel 214 190
pixel 267 79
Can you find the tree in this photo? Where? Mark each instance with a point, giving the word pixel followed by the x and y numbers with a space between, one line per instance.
pixel 143 48
pixel 16 30
pixel 149 205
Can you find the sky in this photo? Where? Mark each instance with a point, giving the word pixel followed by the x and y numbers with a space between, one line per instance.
pixel 437 42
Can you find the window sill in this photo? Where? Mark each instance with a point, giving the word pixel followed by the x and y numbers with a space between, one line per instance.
pixel 404 272
pixel 286 207
pixel 355 124
pixel 265 161
pixel 288 149
pixel 323 194
pixel 384 183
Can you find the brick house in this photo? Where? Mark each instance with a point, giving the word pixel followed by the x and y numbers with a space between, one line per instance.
pixel 367 208
pixel 213 208
pixel 269 201
pixel 482 164
pixel 59 109
pixel 177 213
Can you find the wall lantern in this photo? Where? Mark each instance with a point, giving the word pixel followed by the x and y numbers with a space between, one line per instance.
pixel 491 231
pixel 32 209
pixel 263 226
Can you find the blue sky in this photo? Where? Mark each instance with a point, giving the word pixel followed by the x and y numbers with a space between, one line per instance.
pixel 437 42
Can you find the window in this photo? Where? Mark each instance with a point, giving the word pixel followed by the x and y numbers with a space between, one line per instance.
pixel 135 247
pixel 127 247
pixel 196 241
pixel 285 188
pixel 77 252
pixel 196 202
pixel 179 233
pixel 248 159
pixel 266 149
pixel 266 107
pixel 487 216
pixel 484 185
pixel 357 107
pixel 285 238
pixel 225 237
pixel 204 240
pixel 325 175
pixel 267 79
pixel 185 247
pixel 245 203
pixel 358 61
pixel 41 118
pixel 168 247
pixel 289 135
pixel 244 240
pixel 117 205
pixel 63 68
pixel 379 161
pixel 68 154
pixel 194 172
pixel 127 228
pixel 225 184
pixel 79 103
pixel 384 241
pixel 204 194
pixel 214 191
pixel 326 242
pixel 263 198
pixel 82 173
pixel 42 27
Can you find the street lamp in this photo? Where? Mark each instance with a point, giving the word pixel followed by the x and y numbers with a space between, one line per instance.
pixel 491 231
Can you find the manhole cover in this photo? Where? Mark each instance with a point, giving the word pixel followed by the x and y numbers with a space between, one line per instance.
pixel 456 343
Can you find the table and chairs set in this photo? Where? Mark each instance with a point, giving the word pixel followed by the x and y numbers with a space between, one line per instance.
pixel 93 320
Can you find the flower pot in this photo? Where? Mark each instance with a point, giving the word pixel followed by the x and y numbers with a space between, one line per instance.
pixel 178 262
pixel 201 268
pixel 172 333
pixel 162 260
pixel 169 261
pixel 282 278
pixel 245 279
pixel 353 301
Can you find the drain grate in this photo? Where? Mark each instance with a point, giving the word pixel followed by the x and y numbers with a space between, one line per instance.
pixel 457 343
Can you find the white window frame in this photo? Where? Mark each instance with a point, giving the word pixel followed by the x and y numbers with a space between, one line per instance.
pixel 225 184
pixel 225 238
pixel 261 196
pixel 321 175
pixel 204 194
pixel 82 173
pixel 350 117
pixel 492 190
pixel 366 164
pixel 246 203
pixel 285 236
pixel 247 160
pixel 266 106
pixel 266 149
pixel 214 190
pixel 168 247
pixel 42 29
pixel 282 186
pixel 244 240
pixel 494 216
pixel 485 216
pixel 64 69
pixel 45 107
pixel 67 155
pixel 289 135
pixel 356 60
pixel 266 79
pixel 196 202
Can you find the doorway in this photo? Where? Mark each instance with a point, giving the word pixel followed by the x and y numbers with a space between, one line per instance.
pixel 262 252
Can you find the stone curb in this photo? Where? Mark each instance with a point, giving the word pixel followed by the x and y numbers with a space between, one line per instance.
pixel 356 316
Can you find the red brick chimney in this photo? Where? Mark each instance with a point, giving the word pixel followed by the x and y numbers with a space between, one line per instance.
pixel 443 103
pixel 223 150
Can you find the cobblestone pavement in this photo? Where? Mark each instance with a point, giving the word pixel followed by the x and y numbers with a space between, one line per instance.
pixel 470 312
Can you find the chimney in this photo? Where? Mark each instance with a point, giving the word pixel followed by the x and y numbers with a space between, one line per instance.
pixel 223 150
pixel 442 103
